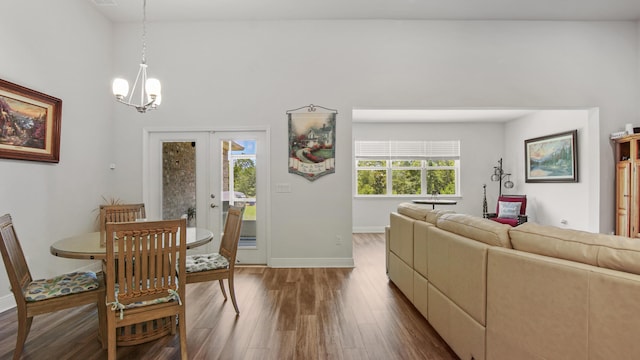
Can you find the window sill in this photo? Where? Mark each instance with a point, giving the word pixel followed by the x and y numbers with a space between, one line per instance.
pixel 407 197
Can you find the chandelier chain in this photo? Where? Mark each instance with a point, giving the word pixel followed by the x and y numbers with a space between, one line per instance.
pixel 144 31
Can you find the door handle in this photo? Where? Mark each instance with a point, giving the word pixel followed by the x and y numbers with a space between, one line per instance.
pixel 213 205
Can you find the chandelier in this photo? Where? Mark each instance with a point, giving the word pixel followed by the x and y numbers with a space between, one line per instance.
pixel 148 89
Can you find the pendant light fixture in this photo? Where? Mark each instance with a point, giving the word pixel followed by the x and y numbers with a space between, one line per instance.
pixel 149 89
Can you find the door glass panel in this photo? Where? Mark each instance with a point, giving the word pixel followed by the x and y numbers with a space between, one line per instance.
pixel 239 185
pixel 179 181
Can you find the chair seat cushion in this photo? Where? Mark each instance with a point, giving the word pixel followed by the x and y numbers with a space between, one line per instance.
pixel 204 262
pixel 512 222
pixel 171 296
pixel 66 284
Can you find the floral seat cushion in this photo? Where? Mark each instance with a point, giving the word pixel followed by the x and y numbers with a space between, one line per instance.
pixel 172 295
pixel 66 284
pixel 204 262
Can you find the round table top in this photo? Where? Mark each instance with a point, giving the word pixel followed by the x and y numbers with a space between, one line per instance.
pixel 87 246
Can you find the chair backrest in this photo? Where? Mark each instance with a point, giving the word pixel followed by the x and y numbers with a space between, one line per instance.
pixel 522 199
pixel 119 213
pixel 147 254
pixel 231 235
pixel 14 260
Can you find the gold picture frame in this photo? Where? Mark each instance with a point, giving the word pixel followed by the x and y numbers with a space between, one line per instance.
pixel 29 124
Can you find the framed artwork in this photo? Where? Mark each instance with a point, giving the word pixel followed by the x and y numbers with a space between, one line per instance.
pixel 552 158
pixel 312 139
pixel 29 124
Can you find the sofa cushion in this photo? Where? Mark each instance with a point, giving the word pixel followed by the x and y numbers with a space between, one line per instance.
pixel 401 237
pixel 606 251
pixel 414 211
pixel 435 214
pixel 479 229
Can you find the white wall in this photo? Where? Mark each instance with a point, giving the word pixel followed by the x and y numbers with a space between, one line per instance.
pixel 481 146
pixel 550 203
pixel 63 49
pixel 249 73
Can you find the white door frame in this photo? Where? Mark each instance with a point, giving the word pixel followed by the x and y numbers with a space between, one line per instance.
pixel 260 254
pixel 151 183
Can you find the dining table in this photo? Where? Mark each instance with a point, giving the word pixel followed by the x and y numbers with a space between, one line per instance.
pixel 87 246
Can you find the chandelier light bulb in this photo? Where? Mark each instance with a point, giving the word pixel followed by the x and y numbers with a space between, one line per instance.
pixel 153 87
pixel 120 88
pixel 508 184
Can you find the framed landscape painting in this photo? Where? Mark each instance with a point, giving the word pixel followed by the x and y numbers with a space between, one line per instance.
pixel 552 158
pixel 29 124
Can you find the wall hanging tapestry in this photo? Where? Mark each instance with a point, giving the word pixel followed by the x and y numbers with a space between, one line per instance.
pixel 29 124
pixel 312 138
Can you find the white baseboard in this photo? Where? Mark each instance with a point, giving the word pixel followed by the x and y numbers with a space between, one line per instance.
pixel 9 302
pixel 368 229
pixel 311 263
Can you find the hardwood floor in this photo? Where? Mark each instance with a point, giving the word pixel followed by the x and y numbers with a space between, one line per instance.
pixel 316 313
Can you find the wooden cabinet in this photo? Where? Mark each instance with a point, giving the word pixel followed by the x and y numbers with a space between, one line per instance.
pixel 628 186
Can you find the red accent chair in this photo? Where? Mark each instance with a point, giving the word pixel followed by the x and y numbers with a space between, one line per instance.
pixel 511 210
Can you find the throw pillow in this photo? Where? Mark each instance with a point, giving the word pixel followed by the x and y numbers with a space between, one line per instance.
pixel 508 209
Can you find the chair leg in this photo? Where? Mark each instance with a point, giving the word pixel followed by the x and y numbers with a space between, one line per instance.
pixel 182 329
pixel 24 325
pixel 174 323
pixel 224 293
pixel 233 294
pixel 102 322
pixel 111 341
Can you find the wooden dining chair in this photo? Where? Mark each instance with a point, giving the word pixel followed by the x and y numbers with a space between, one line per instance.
pixel 36 297
pixel 119 213
pixel 220 265
pixel 142 286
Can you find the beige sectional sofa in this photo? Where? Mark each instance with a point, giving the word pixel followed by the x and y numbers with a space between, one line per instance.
pixel 529 292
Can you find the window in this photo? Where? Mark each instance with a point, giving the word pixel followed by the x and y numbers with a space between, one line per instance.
pixel 397 168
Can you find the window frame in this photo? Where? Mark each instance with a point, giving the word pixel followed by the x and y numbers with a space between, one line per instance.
pixel 390 167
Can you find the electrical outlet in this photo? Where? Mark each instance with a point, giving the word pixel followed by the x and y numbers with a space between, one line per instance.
pixel 338 240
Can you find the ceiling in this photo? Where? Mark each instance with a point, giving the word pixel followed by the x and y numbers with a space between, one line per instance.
pixel 202 10
pixel 439 115
pixel 528 10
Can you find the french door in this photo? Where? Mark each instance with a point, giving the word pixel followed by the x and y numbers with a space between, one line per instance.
pixel 199 174
pixel 239 161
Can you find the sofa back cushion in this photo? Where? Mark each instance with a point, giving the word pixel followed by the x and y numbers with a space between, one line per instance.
pixel 414 211
pixel 606 251
pixel 457 267
pixel 537 307
pixel 435 214
pixel 401 237
pixel 476 228
pixel 421 212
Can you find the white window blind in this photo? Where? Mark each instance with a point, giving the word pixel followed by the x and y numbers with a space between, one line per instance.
pixel 427 149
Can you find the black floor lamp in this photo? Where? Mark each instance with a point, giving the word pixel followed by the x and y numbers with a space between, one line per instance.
pixel 499 175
